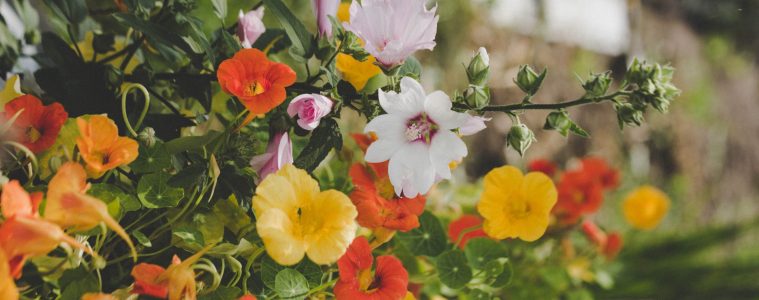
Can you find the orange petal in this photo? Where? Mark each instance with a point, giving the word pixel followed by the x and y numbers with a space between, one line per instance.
pixel 70 178
pixel 8 289
pixel 15 200
pixel 21 236
pixel 146 280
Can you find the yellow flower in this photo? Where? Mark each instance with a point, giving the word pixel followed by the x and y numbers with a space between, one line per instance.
pixel 119 44
pixel 357 72
pixel 344 12
pixel 295 219
pixel 515 205
pixel 645 207
pixel 101 146
pixel 11 91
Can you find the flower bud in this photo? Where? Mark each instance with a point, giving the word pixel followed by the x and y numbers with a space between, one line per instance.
pixel 520 138
pixel 529 81
pixel 147 137
pixel 479 68
pixel 250 27
pixel 597 84
pixel 627 114
pixel 477 96
pixel 559 121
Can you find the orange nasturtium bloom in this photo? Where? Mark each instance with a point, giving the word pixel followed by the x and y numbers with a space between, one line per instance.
pixel 69 206
pixel 101 146
pixel 258 82
pixel 98 296
pixel 37 126
pixel 8 289
pixel 645 207
pixel 176 282
pixel 24 233
pixel 515 205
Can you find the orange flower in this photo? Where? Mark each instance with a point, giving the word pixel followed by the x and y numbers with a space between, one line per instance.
pixel 608 245
pixel 101 146
pixel 388 281
pixel 24 234
pixel 543 166
pixel 8 289
pixel 69 206
pixel 375 199
pixel 98 296
pixel 176 282
pixel 581 191
pixel 258 82
pixel 37 126
pixel 598 168
pixel 469 225
pixel 247 297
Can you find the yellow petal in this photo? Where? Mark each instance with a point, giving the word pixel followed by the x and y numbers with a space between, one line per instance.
pixel 329 226
pixel 357 73
pixel 11 90
pixel 305 187
pixel 541 192
pixel 645 207
pixel 275 192
pixel 8 289
pixel 282 238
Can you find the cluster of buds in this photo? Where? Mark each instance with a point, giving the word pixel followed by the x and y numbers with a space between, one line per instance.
pixel 477 94
pixel 648 84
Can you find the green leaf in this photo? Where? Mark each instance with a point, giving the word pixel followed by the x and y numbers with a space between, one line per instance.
pixel 207 223
pixel 59 51
pixel 290 284
pixel 74 11
pixel 579 294
pixel 220 8
pixel 478 294
pixel 303 41
pixel 190 142
pixel 270 268
pixel 428 239
pixel 577 130
pixel 324 138
pixel 156 32
pixel 506 274
pixel 76 282
pixel 142 238
pixel 453 269
pixel 559 120
pixel 480 251
pixel 411 67
pixel 222 293
pixel 154 192
pixel 151 159
pixel 109 193
pixel 189 237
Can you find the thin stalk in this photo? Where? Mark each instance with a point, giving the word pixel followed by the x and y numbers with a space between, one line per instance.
pixel 536 106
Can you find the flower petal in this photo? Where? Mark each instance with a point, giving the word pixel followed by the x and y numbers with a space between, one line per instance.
pixel 279 235
pixel 438 107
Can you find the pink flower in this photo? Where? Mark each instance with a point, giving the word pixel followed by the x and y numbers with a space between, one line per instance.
pixel 279 152
pixel 310 108
pixel 393 29
pixel 250 27
pixel 472 125
pixel 322 9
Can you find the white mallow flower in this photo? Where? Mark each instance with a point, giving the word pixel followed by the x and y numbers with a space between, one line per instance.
pixel 416 136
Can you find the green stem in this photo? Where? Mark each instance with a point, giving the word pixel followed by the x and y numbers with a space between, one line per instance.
pixel 74 41
pixel 144 112
pixel 248 265
pixel 535 106
pixel 323 286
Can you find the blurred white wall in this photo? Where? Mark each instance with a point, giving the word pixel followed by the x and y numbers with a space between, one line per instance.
pixel 597 25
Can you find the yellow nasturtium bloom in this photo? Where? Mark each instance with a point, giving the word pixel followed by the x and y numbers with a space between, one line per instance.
pixel 645 207
pixel 344 12
pixel 8 289
pixel 294 218
pixel 515 205
pixel 101 146
pixel 357 73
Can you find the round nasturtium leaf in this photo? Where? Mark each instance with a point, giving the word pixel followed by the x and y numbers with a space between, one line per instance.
pixel 480 251
pixel 453 269
pixel 290 284
pixel 428 239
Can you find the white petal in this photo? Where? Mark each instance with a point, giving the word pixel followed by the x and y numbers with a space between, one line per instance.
pixel 381 150
pixel 438 107
pixel 408 103
pixel 411 171
pixel 387 126
pixel 445 148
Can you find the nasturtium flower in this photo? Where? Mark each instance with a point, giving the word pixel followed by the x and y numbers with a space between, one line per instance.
pixel 68 206
pixel 389 281
pixel 393 29
pixel 645 207
pixel 258 82
pixel 98 296
pixel 542 165
pixel 580 193
pixel 377 204
pixel 608 245
pixel 250 26
pixel 8 289
pixel 37 126
pixel 465 228
pixel 598 168
pixel 101 146
pixel 247 297
pixel 24 234
pixel 294 218
pixel 279 152
pixel 310 109
pixel 175 282
pixel 515 205
pixel 323 9
pixel 416 137
pixel 356 72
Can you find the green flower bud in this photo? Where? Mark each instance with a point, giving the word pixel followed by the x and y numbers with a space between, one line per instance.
pixel 520 138
pixel 529 81
pixel 597 85
pixel 477 96
pixel 147 137
pixel 628 114
pixel 479 68
pixel 559 121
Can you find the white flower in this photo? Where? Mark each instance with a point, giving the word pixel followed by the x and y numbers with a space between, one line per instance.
pixel 393 29
pixel 416 136
pixel 473 124
pixel 250 27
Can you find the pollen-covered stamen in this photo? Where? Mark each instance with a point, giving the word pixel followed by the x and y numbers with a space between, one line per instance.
pixel 420 128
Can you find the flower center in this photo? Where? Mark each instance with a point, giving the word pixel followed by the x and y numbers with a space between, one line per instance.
pixel 33 134
pixel 254 89
pixel 420 128
pixel 518 209
pixel 578 197
pixel 365 280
